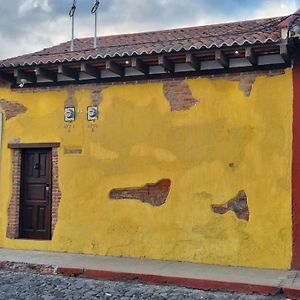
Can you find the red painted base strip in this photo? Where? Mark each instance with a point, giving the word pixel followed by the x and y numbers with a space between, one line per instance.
pixel 291 293
pixel 205 284
pixel 109 275
pixel 70 271
pixel 202 284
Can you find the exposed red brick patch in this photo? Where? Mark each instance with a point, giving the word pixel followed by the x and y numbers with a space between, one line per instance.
pixel 247 79
pixel 179 95
pixel 70 100
pixel 96 95
pixel 238 204
pixel 56 193
pixel 12 108
pixel 154 193
pixel 246 83
pixel 12 231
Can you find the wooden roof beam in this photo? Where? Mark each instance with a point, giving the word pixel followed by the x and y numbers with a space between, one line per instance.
pixel 22 75
pixel 115 68
pixel 284 52
pixel 66 72
pixel 90 70
pixel 46 74
pixel 251 56
pixel 167 64
pixel 192 61
pixel 7 77
pixel 139 65
pixel 221 58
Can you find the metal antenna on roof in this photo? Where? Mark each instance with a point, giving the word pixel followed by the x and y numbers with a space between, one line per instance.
pixel 72 15
pixel 94 11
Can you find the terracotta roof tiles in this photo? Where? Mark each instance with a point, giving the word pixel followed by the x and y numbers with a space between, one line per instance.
pixel 168 41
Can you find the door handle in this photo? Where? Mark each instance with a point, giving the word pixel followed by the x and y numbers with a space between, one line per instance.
pixel 47 191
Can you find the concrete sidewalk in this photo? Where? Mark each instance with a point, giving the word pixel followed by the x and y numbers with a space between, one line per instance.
pixel 207 277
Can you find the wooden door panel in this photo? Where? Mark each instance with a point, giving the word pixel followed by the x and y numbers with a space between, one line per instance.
pixel 35 192
pixel 28 217
pixel 28 170
pixel 41 218
pixel 43 165
pixel 35 208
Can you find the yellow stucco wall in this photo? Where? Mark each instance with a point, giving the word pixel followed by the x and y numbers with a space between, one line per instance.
pixel 138 140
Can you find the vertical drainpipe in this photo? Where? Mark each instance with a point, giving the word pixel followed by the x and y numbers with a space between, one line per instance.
pixel 296 166
pixel 1 130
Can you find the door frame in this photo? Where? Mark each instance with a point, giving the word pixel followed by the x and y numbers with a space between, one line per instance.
pixel 13 224
pixel 23 189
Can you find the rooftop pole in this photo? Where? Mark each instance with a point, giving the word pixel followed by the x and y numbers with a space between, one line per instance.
pixel 72 15
pixel 94 11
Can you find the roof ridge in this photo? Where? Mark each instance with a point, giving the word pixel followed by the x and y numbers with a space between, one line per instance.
pixel 38 53
pixel 181 28
pixel 163 41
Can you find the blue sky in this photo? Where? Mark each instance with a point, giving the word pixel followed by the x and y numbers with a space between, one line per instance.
pixel 31 25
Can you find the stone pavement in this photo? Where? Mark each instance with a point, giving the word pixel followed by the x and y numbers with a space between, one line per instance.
pixel 206 277
pixel 16 286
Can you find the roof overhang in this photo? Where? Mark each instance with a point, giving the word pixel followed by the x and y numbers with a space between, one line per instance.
pixel 179 64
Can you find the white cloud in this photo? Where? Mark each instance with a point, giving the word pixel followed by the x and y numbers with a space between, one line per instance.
pixel 30 5
pixel 272 8
pixel 42 23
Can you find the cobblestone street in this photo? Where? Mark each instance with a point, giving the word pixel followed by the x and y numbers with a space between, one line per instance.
pixel 20 285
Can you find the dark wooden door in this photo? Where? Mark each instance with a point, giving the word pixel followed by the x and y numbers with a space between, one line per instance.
pixel 35 206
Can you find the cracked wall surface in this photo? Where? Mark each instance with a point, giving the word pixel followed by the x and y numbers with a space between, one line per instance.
pixel 70 100
pixel 12 108
pixel 234 137
pixel 238 205
pixel 179 95
pixel 97 95
pixel 152 193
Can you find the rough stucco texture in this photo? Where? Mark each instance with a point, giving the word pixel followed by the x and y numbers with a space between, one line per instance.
pixel 226 143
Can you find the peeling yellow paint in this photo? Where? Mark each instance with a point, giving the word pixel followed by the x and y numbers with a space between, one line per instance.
pixel 143 150
pixel 226 143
